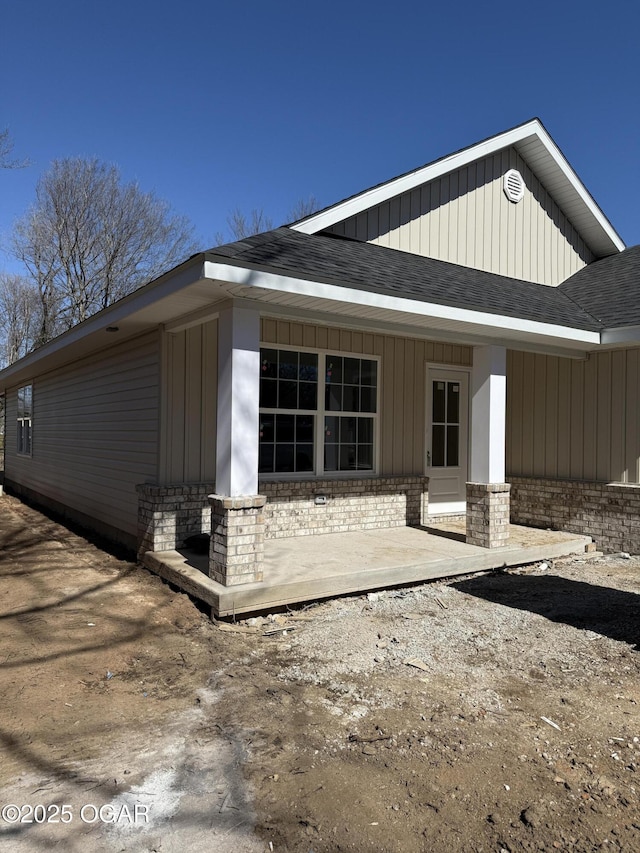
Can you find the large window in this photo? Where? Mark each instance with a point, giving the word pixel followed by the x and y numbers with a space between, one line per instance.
pixel 25 414
pixel 318 412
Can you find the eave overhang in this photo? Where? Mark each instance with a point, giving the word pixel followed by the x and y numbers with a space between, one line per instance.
pixel 193 293
pixel 464 324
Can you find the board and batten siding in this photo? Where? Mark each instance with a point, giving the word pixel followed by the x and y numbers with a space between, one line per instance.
pixel 190 366
pixel 574 419
pixel 465 218
pixel 402 381
pixel 95 433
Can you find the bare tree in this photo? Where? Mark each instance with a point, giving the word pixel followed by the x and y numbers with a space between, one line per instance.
pixel 302 208
pixel 19 317
pixel 242 226
pixel 90 239
pixel 6 149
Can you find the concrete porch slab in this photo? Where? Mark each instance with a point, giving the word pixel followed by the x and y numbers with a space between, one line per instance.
pixel 307 568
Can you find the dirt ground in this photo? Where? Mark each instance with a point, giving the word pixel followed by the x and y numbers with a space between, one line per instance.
pixel 493 713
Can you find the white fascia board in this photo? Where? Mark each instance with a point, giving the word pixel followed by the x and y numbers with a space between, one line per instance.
pixel 303 287
pixel 578 186
pixel 405 183
pixel 377 195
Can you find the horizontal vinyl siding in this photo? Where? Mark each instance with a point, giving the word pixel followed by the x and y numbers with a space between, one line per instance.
pixel 191 368
pixel 402 381
pixel 574 419
pixel 95 433
pixel 465 218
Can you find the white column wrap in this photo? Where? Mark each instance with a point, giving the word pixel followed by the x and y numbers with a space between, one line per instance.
pixel 238 400
pixel 488 414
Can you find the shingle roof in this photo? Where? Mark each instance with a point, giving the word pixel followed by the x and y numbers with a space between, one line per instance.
pixel 350 263
pixel 609 288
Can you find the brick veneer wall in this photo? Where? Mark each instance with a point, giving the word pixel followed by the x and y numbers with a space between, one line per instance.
pixel 168 514
pixel 609 512
pixel 351 505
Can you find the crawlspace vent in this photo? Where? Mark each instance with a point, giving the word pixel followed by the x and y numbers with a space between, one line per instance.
pixel 513 185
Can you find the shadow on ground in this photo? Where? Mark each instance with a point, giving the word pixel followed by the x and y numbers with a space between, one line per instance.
pixel 611 612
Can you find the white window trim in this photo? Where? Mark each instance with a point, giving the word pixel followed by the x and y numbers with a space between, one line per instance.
pixel 318 473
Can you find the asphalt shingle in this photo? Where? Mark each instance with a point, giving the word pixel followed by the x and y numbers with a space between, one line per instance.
pixel 350 263
pixel 609 289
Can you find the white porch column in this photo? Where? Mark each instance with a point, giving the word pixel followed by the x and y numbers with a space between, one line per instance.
pixel 487 492
pixel 236 553
pixel 488 414
pixel 238 399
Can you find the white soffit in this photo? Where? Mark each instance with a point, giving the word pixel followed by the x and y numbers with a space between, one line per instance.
pixel 543 156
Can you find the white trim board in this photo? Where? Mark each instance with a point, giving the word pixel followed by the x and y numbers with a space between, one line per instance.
pixel 533 143
pixel 497 323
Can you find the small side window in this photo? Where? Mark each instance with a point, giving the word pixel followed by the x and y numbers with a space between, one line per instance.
pixel 25 415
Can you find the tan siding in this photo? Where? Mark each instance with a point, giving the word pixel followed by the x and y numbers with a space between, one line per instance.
pixel 631 458
pixel 402 381
pixel 574 419
pixel 95 433
pixel 464 217
pixel 190 406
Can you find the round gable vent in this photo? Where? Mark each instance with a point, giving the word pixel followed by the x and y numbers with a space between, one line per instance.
pixel 513 185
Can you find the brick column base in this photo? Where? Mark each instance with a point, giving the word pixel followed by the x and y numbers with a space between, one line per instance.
pixel 488 514
pixel 236 555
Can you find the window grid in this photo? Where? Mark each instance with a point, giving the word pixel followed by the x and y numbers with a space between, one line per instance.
pixel 354 448
pixel 445 432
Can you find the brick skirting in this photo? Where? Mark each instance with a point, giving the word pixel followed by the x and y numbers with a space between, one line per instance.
pixel 167 514
pixel 366 504
pixel 608 512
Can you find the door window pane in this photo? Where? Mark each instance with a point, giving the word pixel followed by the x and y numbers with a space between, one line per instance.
pixel 453 402
pixel 453 433
pixel 437 445
pixel 439 405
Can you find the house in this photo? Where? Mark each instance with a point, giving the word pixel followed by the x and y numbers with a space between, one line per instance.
pixel 462 339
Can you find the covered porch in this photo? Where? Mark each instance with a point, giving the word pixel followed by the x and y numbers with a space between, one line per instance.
pixel 307 568
pixel 295 407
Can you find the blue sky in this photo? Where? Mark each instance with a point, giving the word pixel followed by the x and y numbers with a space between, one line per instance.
pixel 215 106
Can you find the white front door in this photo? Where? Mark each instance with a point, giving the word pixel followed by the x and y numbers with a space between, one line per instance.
pixel 447 439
